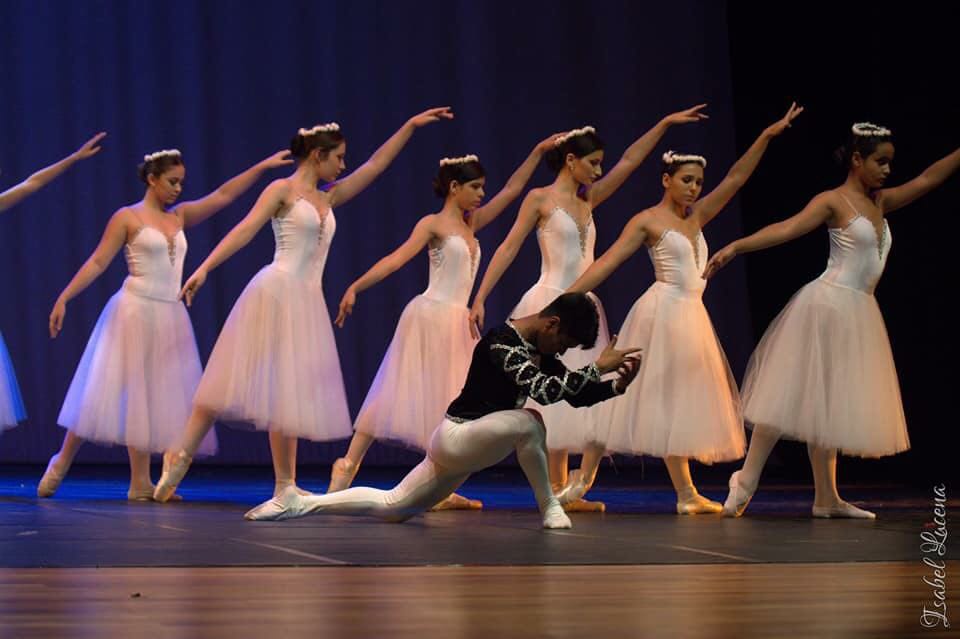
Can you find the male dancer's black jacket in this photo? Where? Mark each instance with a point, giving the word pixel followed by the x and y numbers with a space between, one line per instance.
pixel 503 373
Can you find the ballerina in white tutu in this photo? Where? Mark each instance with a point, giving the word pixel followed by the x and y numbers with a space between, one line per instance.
pixel 12 410
pixel 404 403
pixel 684 402
pixel 138 373
pixel 275 364
pixel 823 373
pixel 562 213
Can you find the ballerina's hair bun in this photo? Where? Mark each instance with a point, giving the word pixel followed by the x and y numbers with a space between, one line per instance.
pixel 157 163
pixel 460 170
pixel 864 139
pixel 325 137
pixel 581 142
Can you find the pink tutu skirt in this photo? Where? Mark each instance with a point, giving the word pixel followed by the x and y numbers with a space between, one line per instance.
pixel 137 377
pixel 275 364
pixel 423 371
pixel 684 400
pixel 824 374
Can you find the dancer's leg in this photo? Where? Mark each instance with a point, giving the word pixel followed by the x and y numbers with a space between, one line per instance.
pixel 689 501
pixel 743 483
pixel 827 502
pixel 177 462
pixel 580 481
pixel 283 450
pixel 141 488
pixel 345 468
pixel 59 465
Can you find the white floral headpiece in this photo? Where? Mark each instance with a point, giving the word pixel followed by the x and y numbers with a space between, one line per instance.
pixel 320 128
pixel 868 129
pixel 150 157
pixel 460 160
pixel 675 158
pixel 572 134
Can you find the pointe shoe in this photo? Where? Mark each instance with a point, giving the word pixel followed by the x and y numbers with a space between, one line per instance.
pixel 737 498
pixel 146 494
pixel 458 502
pixel 51 479
pixel 698 505
pixel 173 473
pixel 283 506
pixel 554 517
pixel 342 474
pixel 843 510
pixel 577 486
pixel 584 506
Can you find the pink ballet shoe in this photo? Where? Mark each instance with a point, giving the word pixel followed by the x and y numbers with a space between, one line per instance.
pixel 146 494
pixel 342 474
pixel 843 510
pixel 698 505
pixel 458 502
pixel 737 498
pixel 283 506
pixel 577 486
pixel 173 473
pixel 51 479
pixel 554 517
pixel 584 506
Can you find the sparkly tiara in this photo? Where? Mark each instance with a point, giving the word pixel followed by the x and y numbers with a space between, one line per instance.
pixel 150 157
pixel 867 129
pixel 675 158
pixel 572 134
pixel 320 128
pixel 460 160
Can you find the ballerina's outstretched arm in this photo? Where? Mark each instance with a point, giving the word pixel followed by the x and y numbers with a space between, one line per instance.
pixel 41 178
pixel 819 211
pixel 710 205
pixel 487 213
pixel 632 237
pixel 637 152
pixel 349 187
pixel 936 174
pixel 421 235
pixel 196 211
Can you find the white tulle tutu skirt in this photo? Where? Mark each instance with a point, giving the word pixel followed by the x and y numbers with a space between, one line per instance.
pixel 824 374
pixel 684 400
pixel 275 364
pixel 568 427
pixel 423 371
pixel 12 410
pixel 137 376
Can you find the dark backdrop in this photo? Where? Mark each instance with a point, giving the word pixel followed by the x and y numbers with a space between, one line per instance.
pixel 229 82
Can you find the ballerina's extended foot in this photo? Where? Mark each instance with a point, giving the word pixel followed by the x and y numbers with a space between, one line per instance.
pixel 458 502
pixel 738 497
pixel 174 471
pixel 843 510
pixel 51 479
pixel 341 475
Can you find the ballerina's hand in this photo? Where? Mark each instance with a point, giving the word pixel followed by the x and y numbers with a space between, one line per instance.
pixel 627 372
pixel 612 359
pixel 719 260
pixel 693 114
pixel 784 123
pixel 347 303
pixel 278 159
pixel 475 320
pixel 90 147
pixel 192 286
pixel 431 115
pixel 549 143
pixel 56 318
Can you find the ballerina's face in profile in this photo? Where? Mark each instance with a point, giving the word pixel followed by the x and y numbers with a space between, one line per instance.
pixel 873 170
pixel 329 164
pixel 168 185
pixel 585 170
pixel 685 185
pixel 468 195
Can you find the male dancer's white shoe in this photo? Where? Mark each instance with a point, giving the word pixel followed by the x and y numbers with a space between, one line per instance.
pixel 554 517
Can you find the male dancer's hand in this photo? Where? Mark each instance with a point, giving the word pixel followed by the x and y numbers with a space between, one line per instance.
pixel 627 373
pixel 612 359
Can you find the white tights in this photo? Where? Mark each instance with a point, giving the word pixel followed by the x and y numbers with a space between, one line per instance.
pixel 455 451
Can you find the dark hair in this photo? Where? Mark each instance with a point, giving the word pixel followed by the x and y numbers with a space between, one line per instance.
pixel 580 145
pixel 460 172
pixel 302 145
pixel 158 167
pixel 578 317
pixel 865 145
